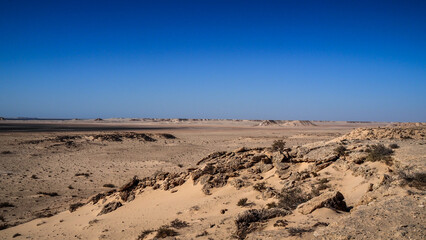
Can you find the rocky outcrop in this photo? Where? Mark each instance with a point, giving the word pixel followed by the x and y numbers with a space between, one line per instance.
pixel 109 207
pixel 334 200
pixel 417 132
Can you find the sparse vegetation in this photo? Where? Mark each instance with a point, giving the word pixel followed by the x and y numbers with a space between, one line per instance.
pixel 413 179
pixel 340 150
pixel 271 205
pixel 322 184
pixel 6 152
pixel 379 152
pixel 34 176
pixel 109 185
pixel 259 186
pixel 278 145
pixel 164 232
pixel 290 199
pixel 242 202
pixel 195 208
pixel 144 234
pixel 280 223
pixel 246 222
pixel 178 224
pixel 298 231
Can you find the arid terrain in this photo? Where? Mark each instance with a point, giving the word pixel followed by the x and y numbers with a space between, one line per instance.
pixel 211 179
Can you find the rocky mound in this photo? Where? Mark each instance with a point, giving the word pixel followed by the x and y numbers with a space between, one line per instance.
pixel 386 133
pixel 299 123
pixel 268 123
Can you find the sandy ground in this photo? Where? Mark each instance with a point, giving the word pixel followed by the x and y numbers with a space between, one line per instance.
pixel 78 164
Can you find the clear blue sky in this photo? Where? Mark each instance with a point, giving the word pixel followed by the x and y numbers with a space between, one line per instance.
pixel 321 60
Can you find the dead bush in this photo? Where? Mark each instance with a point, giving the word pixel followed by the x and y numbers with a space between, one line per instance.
pixel 289 199
pixel 278 145
pixel 242 202
pixel 340 150
pixel 246 222
pixel 271 205
pixel 178 224
pixel 260 186
pixel 413 179
pixel 164 232
pixel 144 234
pixel 298 231
pixel 109 185
pixel 379 152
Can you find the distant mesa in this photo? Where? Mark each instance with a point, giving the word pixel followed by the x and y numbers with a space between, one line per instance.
pixel 268 123
pixel 295 123
pixel 179 120
pixel 299 123
pixel 98 119
pixel 407 124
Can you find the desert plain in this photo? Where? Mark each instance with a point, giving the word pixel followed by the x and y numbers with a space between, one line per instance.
pixel 211 179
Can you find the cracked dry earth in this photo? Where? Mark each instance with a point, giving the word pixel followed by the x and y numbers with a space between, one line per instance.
pixel 368 184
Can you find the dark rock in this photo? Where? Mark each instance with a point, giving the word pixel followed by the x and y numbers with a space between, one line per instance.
pixel 112 206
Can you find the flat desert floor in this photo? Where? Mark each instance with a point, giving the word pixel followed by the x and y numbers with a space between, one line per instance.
pixel 47 166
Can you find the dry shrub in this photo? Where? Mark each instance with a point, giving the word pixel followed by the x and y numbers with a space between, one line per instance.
pixel 271 205
pixel 164 232
pixel 178 224
pixel 242 202
pixel 144 234
pixel 413 179
pixel 340 150
pixel 298 231
pixel 278 145
pixel 289 199
pixel 379 152
pixel 247 221
pixel 260 186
